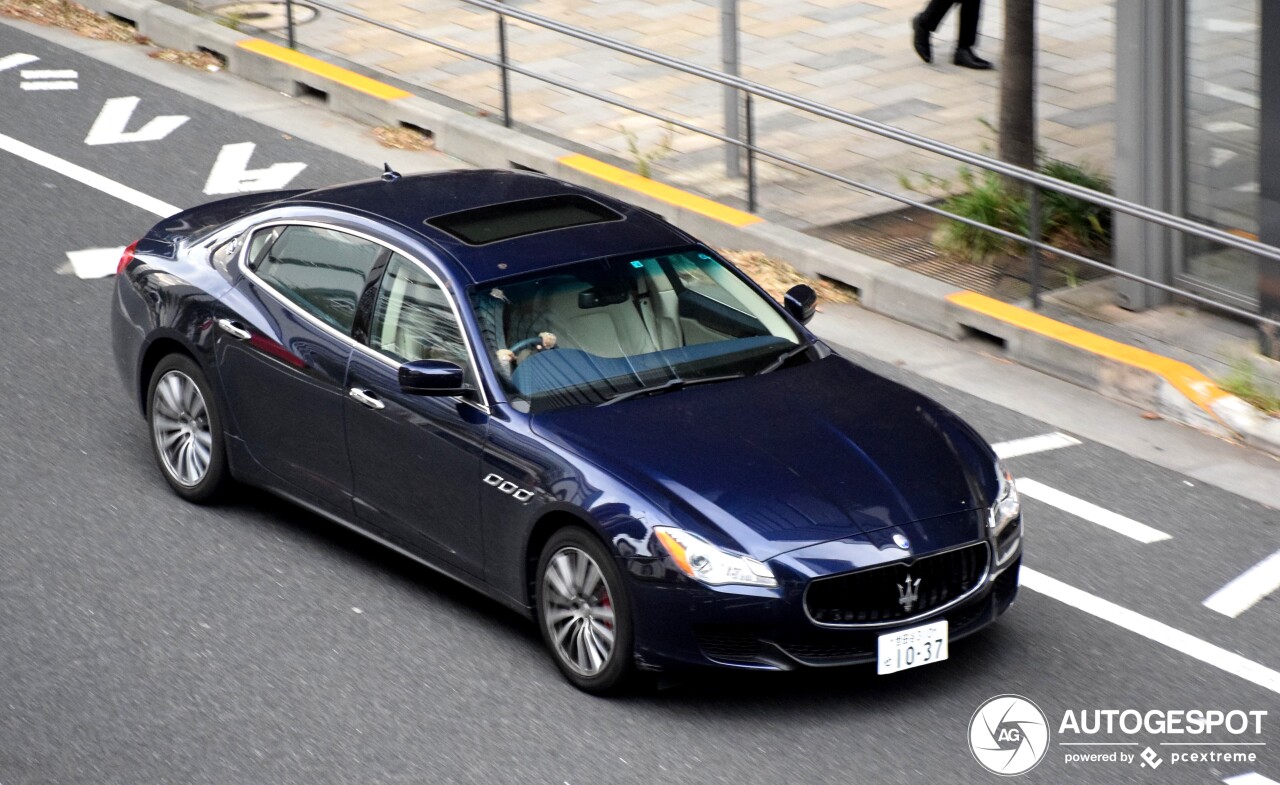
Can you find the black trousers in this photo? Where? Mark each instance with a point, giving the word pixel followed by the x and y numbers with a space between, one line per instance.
pixel 936 9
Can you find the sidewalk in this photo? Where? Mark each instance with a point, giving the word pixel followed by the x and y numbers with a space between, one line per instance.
pixel 851 55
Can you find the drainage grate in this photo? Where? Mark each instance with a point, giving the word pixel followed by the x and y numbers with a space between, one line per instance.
pixel 905 238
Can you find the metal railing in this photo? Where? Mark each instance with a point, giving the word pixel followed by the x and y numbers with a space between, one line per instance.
pixel 1035 182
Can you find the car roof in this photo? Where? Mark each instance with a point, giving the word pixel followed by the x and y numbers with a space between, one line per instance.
pixel 411 201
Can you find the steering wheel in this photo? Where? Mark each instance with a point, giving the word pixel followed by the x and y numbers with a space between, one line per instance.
pixel 527 343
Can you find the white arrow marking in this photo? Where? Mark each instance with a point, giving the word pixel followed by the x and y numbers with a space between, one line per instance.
pixel 1247 589
pixel 1252 778
pixel 1034 444
pixel 115 116
pixel 1090 511
pixel 16 60
pixel 95 262
pixel 231 173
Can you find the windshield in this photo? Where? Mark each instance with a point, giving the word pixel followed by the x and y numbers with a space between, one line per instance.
pixel 597 330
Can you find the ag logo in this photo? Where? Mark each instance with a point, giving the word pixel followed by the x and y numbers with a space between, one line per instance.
pixel 1009 735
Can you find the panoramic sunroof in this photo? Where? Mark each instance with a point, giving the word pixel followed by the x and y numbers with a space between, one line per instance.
pixel 498 222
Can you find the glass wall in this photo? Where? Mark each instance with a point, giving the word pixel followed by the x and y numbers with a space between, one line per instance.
pixel 1222 139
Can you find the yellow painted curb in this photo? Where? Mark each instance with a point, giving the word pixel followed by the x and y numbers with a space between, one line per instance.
pixel 659 191
pixel 327 70
pixel 1190 382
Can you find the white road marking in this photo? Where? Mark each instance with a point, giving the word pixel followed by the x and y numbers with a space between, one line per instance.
pixel 49 73
pixel 92 179
pixel 16 61
pixel 1247 589
pixel 1032 444
pixel 49 79
pixel 1090 511
pixel 231 173
pixel 95 262
pixel 1153 630
pixel 1252 778
pixel 109 127
pixel 49 86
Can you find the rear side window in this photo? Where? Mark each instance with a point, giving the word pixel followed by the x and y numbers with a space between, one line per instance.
pixel 321 270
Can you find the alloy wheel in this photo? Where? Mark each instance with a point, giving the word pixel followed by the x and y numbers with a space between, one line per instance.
pixel 577 609
pixel 180 427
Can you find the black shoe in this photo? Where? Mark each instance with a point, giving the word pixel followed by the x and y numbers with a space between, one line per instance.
pixel 965 58
pixel 924 47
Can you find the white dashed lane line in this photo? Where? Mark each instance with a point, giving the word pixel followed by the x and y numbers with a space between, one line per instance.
pixel 1247 589
pixel 1090 511
pixel 1252 778
pixel 1153 630
pixel 87 177
pixel 1034 444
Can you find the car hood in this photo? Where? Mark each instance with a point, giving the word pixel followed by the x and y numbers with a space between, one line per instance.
pixel 817 452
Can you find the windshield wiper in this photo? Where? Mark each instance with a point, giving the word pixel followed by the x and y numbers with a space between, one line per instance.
pixel 671 384
pixel 781 359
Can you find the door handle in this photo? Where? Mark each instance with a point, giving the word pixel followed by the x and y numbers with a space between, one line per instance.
pixel 367 398
pixel 234 329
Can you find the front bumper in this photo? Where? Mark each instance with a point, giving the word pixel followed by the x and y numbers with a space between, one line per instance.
pixel 762 629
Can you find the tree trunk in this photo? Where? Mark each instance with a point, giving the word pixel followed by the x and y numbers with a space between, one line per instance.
pixel 1018 84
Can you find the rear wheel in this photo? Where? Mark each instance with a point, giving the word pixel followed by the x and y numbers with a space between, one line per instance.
pixel 584 612
pixel 186 429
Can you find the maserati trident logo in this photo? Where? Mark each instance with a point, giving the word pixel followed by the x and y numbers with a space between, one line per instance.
pixel 908 593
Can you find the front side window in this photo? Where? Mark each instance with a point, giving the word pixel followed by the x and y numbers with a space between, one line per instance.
pixel 320 270
pixel 412 319
pixel 592 331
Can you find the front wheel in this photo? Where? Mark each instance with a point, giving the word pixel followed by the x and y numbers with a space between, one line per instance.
pixel 584 612
pixel 186 430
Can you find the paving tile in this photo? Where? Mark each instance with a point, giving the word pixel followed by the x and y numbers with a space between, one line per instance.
pixel 851 54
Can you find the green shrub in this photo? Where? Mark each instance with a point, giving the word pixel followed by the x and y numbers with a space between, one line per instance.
pixel 1065 221
pixel 1071 222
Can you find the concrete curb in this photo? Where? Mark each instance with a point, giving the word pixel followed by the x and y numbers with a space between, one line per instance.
pixel 1172 389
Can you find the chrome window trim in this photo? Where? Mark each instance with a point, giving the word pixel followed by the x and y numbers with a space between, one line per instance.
pixel 252 275
pixel 979 584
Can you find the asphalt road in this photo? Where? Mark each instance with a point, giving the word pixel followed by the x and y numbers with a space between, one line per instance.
pixel 146 640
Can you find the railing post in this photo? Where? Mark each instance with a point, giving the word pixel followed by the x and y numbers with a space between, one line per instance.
pixel 506 75
pixel 751 155
pixel 288 22
pixel 729 62
pixel 1033 232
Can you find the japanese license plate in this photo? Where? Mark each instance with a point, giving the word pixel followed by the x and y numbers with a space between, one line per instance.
pixel 911 648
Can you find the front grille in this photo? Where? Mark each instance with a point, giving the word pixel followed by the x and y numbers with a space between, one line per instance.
pixel 730 643
pixel 879 595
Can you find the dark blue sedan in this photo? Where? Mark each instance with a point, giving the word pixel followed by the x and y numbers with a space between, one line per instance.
pixel 567 403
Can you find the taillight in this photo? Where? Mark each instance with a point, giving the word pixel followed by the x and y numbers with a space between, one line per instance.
pixel 126 257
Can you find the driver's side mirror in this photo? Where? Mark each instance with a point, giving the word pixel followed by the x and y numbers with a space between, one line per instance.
pixel 432 377
pixel 801 301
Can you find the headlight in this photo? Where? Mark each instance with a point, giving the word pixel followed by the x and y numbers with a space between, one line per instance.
pixel 704 562
pixel 1007 506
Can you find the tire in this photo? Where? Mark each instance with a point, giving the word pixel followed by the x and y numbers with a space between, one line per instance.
pixel 596 608
pixel 186 430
